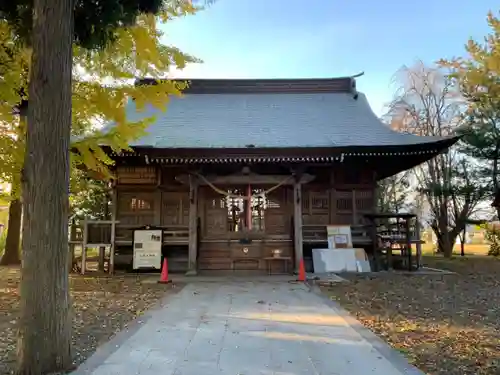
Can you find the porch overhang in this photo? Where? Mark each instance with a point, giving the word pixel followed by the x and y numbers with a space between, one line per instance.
pixel 382 158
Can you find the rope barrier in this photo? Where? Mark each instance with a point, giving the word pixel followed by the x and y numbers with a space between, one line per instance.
pixel 236 196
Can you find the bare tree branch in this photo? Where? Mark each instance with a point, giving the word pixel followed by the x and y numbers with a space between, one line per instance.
pixel 428 104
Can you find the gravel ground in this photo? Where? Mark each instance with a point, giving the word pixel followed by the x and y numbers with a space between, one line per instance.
pixel 444 324
pixel 102 307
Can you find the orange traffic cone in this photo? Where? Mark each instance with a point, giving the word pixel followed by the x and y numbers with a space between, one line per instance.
pixel 302 271
pixel 164 273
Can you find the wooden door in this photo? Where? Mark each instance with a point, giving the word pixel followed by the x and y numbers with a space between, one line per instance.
pixel 277 217
pixel 315 206
pixel 175 209
pixel 216 215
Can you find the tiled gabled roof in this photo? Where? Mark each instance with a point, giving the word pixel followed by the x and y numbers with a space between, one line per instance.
pixel 318 113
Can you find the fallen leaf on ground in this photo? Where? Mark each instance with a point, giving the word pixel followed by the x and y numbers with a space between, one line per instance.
pixel 444 324
pixel 102 306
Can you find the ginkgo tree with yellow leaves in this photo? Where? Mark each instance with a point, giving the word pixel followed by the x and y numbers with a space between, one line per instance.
pixel 14 67
pixel 55 31
pixel 103 83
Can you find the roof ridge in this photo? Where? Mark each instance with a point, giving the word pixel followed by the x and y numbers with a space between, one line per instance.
pixel 266 85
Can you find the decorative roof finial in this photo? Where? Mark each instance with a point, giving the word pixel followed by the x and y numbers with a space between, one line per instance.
pixel 354 91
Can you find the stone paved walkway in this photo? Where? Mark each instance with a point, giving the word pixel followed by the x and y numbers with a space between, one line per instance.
pixel 238 328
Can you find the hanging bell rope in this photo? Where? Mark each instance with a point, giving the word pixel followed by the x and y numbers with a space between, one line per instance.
pixel 236 196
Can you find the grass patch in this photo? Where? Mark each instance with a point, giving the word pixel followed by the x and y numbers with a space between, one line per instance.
pixel 469 249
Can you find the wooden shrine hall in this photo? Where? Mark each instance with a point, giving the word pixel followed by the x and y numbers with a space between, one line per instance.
pixel 238 171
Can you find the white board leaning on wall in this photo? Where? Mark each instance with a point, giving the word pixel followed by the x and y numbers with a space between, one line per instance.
pixel 339 236
pixel 147 248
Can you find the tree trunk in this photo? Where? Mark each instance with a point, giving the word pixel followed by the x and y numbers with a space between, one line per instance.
pixel 11 255
pixel 446 242
pixel 462 242
pixel 45 321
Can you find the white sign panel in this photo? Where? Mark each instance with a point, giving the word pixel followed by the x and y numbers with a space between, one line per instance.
pixel 147 249
pixel 339 236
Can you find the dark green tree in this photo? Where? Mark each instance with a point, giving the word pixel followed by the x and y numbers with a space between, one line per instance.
pixel 478 77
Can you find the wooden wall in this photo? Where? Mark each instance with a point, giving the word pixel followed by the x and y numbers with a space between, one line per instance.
pixel 222 249
pixel 148 197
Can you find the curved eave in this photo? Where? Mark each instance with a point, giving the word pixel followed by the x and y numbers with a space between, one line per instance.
pixel 409 159
pixel 409 155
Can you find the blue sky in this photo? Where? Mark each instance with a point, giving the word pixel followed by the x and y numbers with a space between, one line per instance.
pixel 326 38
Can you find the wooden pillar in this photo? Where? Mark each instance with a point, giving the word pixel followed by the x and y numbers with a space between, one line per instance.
pixel 112 248
pixel 418 244
pixel 354 208
pixel 84 246
pixel 102 253
pixel 158 202
pixel 297 224
pixel 72 240
pixel 248 207
pixel 157 208
pixel 408 243
pixel 376 249
pixel 333 199
pixel 193 226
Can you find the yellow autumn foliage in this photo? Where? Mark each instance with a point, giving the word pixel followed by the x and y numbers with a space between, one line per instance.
pixel 478 73
pixel 103 82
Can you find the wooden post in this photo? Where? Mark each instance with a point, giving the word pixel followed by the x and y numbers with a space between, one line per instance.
pixel 389 257
pixel 333 199
pixel 157 208
pixel 84 246
pixel 408 242
pixel 112 248
pixel 376 249
pixel 102 252
pixel 72 240
pixel 297 224
pixel 354 208
pixel 193 226
pixel 248 205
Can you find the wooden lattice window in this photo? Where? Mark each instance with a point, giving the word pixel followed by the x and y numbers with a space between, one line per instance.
pixel 305 202
pixel 137 204
pixel 276 216
pixel 136 208
pixel 273 204
pixel 175 208
pixel 319 202
pixel 216 214
pixel 364 200
pixel 315 201
pixel 344 200
pixel 136 175
pixel 217 203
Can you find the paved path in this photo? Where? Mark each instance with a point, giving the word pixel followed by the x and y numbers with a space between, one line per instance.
pixel 238 328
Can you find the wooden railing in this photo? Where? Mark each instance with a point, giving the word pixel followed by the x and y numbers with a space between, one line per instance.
pixel 172 234
pixel 97 233
pixel 317 234
pixel 92 232
pixel 110 234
